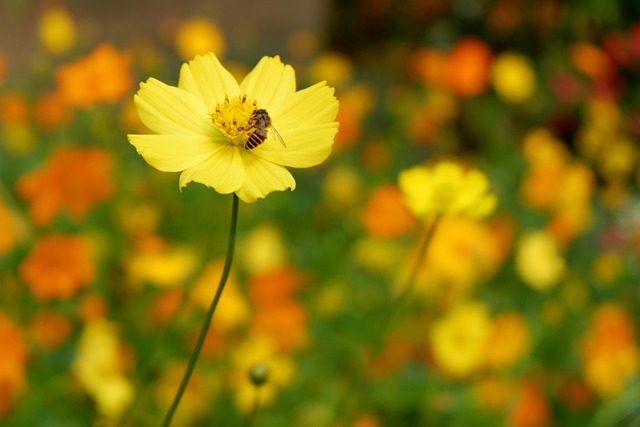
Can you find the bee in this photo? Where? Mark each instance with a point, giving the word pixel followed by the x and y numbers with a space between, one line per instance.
pixel 262 124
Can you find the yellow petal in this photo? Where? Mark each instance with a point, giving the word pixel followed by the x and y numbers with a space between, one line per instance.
pixel 167 109
pixel 223 171
pixel 174 153
pixel 206 78
pixel 262 177
pixel 269 81
pixel 306 146
pixel 310 106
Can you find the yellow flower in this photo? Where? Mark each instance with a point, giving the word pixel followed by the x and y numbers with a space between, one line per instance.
pixel 202 126
pixel 57 31
pixel 281 369
pixel 538 260
pixel 98 367
pixel 459 339
pixel 513 77
pixel 198 36
pixel 446 189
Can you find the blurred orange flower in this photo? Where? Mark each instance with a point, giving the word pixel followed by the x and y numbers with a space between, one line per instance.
pixel 509 340
pixel 73 180
pixel 103 76
pixel 531 408
pixel 610 353
pixel 50 111
pixel 468 67
pixel 58 266
pixel 591 61
pixel 14 108
pixel 465 70
pixel 13 359
pixel 50 329
pixel 385 214
pixel 277 313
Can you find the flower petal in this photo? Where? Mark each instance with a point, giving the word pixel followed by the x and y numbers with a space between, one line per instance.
pixel 269 81
pixel 313 105
pixel 174 153
pixel 205 77
pixel 168 109
pixel 306 146
pixel 262 177
pixel 223 171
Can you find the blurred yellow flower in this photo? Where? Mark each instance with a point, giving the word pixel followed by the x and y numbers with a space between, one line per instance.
pixel 333 67
pixel 198 393
pixel 282 370
pixel 57 31
pixel 202 126
pixel 98 366
pixel 463 252
pixel 160 264
pixel 460 337
pixel 538 260
pixel 233 309
pixel 513 77
pixel 446 188
pixel 198 36
pixel 263 249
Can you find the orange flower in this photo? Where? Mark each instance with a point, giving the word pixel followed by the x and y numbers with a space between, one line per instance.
pixel 50 329
pixel 277 313
pixel 429 65
pixel 591 61
pixel 385 214
pixel 50 111
pixel 531 409
pixel 101 77
pixel 509 340
pixel 73 180
pixel 57 267
pixel 611 355
pixel 14 108
pixel 13 359
pixel 468 67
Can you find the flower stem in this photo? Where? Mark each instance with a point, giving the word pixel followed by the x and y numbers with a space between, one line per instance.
pixel 207 320
pixel 407 289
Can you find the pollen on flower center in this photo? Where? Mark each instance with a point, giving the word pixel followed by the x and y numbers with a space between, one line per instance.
pixel 234 117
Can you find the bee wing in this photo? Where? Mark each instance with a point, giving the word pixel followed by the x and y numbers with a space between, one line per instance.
pixel 276 135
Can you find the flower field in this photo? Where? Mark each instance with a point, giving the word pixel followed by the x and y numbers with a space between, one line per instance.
pixel 424 213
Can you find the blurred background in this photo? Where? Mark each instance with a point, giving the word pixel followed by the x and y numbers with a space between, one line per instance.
pixel 526 318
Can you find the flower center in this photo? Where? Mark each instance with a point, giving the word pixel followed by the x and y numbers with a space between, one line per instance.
pixel 235 118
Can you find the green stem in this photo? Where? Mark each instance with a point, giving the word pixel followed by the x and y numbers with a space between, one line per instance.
pixel 207 321
pixel 407 290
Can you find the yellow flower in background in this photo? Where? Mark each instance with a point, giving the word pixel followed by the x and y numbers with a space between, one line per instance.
pixel 98 367
pixel 281 372
pixel 57 31
pixel 233 309
pixel 446 188
pixel 198 36
pixel 333 67
pixel 538 260
pixel 513 77
pixel 203 125
pixel 459 339
pixel 161 265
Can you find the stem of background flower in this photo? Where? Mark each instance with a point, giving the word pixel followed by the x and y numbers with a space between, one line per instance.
pixel 407 289
pixel 207 320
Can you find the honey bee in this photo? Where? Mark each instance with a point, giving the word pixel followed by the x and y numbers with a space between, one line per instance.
pixel 263 123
